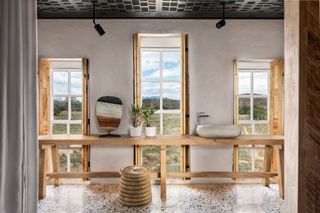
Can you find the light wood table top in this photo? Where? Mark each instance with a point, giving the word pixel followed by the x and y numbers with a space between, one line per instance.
pixel 158 140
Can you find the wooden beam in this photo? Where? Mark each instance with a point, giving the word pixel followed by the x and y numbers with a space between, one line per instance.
pixel 204 174
pixel 84 175
pixel 221 174
pixel 280 168
pixel 163 171
pixel 159 140
pixel 267 163
pixel 55 163
pixel 42 173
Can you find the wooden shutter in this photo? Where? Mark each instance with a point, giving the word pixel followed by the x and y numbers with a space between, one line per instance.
pixel 185 85
pixel 44 96
pixel 276 103
pixel 276 97
pixel 85 98
pixel 184 105
pixel 136 69
pixel 235 112
pixel 85 114
pixel 136 88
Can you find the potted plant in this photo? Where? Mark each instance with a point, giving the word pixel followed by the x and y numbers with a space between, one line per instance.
pixel 135 117
pixel 147 112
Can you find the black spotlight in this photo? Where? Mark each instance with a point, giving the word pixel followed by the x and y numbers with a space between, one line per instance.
pixel 98 27
pixel 222 23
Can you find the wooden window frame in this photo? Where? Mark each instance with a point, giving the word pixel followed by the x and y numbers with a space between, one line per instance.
pixel 275 107
pixel 184 104
pixel 44 109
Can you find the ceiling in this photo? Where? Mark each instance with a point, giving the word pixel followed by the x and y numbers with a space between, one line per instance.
pixel 186 9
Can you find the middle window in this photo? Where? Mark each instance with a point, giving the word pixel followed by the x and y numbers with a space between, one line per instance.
pixel 160 83
pixel 161 87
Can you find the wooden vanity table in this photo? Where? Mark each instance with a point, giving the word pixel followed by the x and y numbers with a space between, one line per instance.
pixel 52 142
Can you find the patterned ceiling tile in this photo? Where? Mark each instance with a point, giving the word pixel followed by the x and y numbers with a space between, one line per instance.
pixel 161 9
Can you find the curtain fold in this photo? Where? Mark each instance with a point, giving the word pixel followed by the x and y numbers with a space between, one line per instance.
pixel 18 106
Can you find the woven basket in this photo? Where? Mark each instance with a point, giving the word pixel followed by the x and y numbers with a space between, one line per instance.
pixel 135 186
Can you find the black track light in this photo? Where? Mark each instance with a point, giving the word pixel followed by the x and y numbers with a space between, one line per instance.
pixel 222 22
pixel 98 27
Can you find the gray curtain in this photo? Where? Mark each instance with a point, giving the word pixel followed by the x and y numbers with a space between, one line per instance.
pixel 18 106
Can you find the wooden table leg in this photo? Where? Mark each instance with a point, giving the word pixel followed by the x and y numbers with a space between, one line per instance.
pixel 280 168
pixel 267 163
pixel 55 163
pixel 85 159
pixel 163 172
pixel 42 172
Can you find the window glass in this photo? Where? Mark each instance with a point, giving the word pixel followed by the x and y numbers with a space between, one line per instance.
pixel 150 92
pixel 59 129
pixel 171 123
pixel 260 109
pixel 171 63
pixel 173 158
pixel 75 129
pixel 76 83
pixel 75 160
pixel 171 96
pixel 76 108
pixel 260 83
pixel 244 83
pixel 60 108
pixel 246 129
pixel 245 160
pixel 150 65
pixel 261 129
pixel 60 83
pixel 259 159
pixel 151 157
pixel 244 109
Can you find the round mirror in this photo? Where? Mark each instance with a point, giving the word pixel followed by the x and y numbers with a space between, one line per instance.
pixel 109 113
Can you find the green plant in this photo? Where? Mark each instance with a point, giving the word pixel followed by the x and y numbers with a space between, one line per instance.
pixel 135 115
pixel 147 112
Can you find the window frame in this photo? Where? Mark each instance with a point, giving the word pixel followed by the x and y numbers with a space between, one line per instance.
pixel 69 121
pixel 184 102
pixel 44 105
pixel 252 149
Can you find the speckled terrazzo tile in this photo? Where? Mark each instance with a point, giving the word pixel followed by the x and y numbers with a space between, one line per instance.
pixel 180 199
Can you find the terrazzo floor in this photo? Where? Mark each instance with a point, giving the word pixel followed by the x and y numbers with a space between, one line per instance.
pixel 195 198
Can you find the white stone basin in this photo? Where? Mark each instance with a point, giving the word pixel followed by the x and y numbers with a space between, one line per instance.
pixel 218 131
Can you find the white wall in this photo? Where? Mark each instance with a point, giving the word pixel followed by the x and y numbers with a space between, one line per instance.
pixel 211 52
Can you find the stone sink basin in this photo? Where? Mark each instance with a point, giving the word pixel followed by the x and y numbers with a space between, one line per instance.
pixel 218 131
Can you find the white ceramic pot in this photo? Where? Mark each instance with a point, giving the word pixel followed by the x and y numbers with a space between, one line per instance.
pixel 151 131
pixel 135 131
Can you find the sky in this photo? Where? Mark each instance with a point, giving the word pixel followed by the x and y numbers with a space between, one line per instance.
pixel 150 67
pixel 260 83
pixel 60 83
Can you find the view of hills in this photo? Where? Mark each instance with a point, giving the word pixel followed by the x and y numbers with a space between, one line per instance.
pixel 155 101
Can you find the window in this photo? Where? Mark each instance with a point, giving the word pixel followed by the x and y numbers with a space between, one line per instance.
pixel 253 101
pixel 63 106
pixel 252 111
pixel 66 101
pixel 161 85
pixel 161 80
